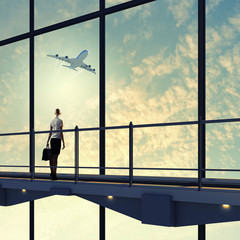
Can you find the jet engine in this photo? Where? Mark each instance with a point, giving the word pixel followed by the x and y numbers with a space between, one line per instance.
pixel 56 55
pixel 89 65
pixel 66 56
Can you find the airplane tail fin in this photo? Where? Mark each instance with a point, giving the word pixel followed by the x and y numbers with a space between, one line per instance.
pixel 69 67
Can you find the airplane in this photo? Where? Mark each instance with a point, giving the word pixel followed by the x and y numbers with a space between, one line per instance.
pixel 75 62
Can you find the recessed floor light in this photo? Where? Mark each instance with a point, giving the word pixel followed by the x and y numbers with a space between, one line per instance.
pixel 226 206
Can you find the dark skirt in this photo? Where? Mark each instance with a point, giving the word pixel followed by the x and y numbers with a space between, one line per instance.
pixel 55 145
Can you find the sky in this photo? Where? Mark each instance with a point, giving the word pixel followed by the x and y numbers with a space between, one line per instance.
pixel 151 77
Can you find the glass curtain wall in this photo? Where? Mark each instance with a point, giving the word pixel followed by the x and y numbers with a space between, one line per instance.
pixel 151 77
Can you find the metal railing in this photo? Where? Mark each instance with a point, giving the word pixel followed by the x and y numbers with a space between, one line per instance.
pixel 76 131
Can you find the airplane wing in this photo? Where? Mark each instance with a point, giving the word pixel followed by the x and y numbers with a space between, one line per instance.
pixel 88 68
pixel 65 59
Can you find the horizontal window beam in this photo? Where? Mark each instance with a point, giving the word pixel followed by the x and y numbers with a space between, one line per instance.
pixel 73 21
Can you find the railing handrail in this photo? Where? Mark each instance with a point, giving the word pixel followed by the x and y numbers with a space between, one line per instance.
pixel 127 126
pixel 200 170
pixel 127 168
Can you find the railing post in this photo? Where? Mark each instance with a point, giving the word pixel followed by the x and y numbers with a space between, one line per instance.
pixel 130 154
pixel 32 154
pixel 199 153
pixel 76 154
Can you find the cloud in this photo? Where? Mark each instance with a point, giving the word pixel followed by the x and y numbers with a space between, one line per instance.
pixel 181 10
pixel 212 5
pixel 65 13
pixel 129 13
pixel 235 21
pixel 226 62
pixel 188 46
pixel 114 2
pixel 129 37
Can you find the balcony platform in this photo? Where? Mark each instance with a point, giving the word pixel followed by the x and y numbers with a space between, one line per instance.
pixel 164 201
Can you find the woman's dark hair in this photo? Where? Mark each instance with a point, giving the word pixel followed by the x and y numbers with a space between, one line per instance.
pixel 58 111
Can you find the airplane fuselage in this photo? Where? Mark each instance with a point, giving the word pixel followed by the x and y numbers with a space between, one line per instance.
pixel 75 62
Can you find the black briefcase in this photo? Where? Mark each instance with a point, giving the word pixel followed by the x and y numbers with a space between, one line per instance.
pixel 46 155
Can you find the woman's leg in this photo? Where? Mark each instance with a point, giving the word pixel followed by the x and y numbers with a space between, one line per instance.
pixel 55 158
pixel 51 164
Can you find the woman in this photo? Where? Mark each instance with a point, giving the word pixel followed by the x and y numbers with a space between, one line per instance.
pixel 56 137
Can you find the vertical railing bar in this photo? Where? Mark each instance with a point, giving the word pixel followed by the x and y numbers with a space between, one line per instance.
pixel 200 154
pixel 76 154
pixel 130 154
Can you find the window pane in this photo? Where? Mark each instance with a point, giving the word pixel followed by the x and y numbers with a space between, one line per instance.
pixel 120 227
pixel 14 151
pixel 15 222
pixel 158 147
pixel 88 153
pixel 65 158
pixel 75 93
pixel 14 109
pixel 223 149
pixel 152 64
pixel 14 82
pixel 64 217
pixel 223 50
pixel 14 18
pixel 54 11
pixel 152 78
pixel 222 231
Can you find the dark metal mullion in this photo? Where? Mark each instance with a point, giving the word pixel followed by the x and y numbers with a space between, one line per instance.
pixel 31 222
pixel 202 96
pixel 102 213
pixel 31 113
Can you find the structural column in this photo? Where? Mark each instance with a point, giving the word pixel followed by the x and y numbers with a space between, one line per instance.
pixel 31 114
pixel 102 110
pixel 202 95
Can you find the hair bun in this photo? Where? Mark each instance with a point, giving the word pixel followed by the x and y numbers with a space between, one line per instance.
pixel 58 111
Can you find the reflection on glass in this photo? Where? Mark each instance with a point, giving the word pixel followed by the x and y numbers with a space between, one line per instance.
pixel 54 11
pixel 14 18
pixel 59 217
pixel 15 217
pixel 152 64
pixel 222 231
pixel 222 141
pixel 14 85
pixel 223 50
pixel 120 227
